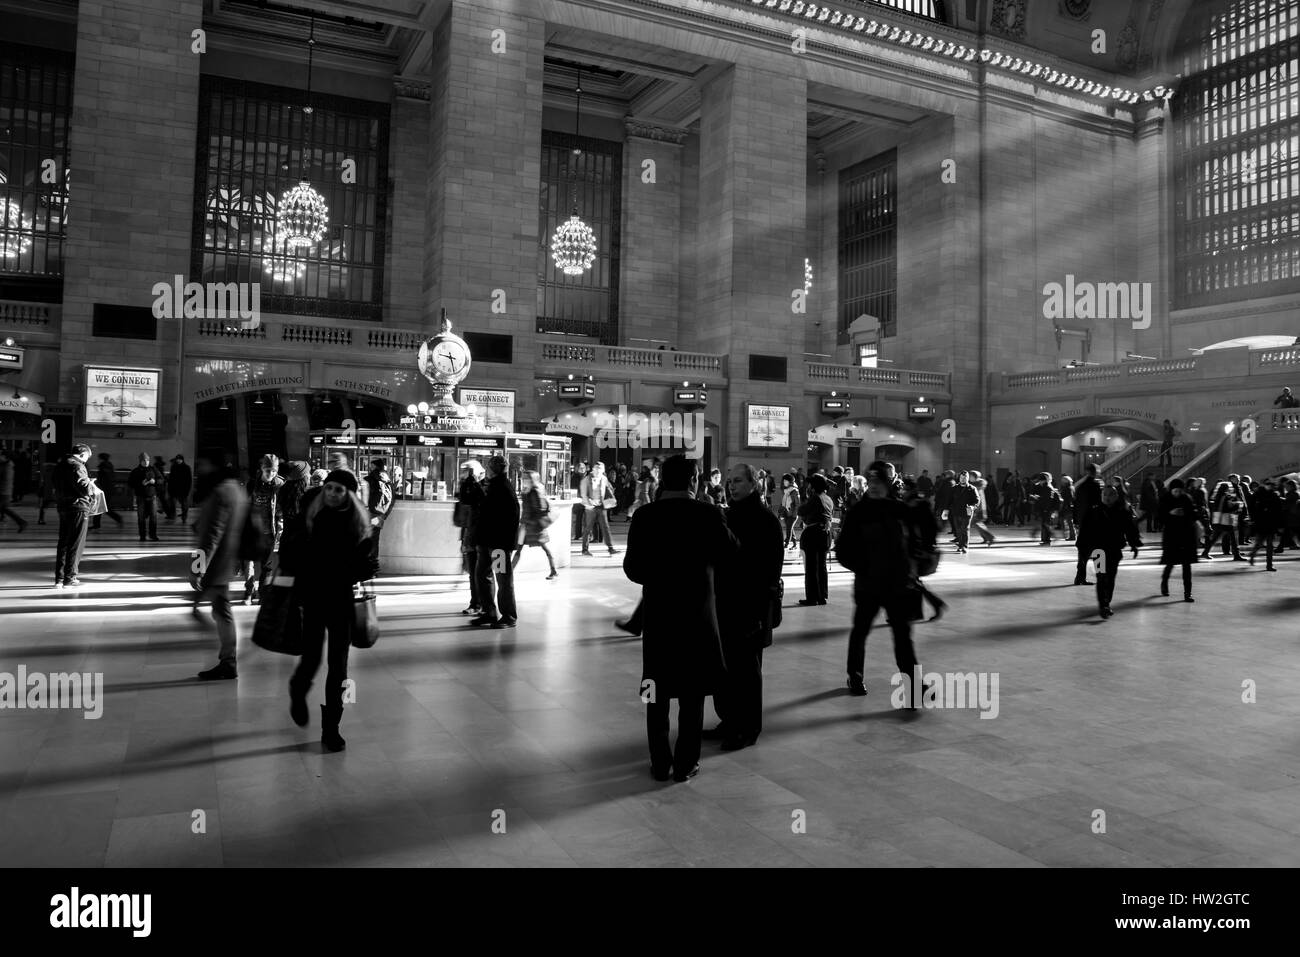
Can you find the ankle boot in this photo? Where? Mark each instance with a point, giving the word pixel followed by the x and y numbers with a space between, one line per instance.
pixel 298 703
pixel 329 733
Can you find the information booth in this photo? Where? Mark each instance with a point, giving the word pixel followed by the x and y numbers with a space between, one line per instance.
pixel 420 536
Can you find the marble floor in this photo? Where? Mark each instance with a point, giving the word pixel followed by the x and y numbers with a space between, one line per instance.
pixel 1166 736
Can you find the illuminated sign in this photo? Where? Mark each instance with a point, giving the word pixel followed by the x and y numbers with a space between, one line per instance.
pixel 494 409
pixel 428 440
pixel 767 426
pixel 920 411
pixel 11 358
pixel 693 398
pixel 480 442
pixel 836 406
pixel 122 397
pixel 381 440
pixel 576 391
pixel 522 444
pixel 555 445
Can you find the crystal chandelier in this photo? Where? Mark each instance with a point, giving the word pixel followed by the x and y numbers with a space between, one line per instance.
pixel 573 247
pixel 303 216
pixel 282 266
pixel 807 276
pixel 15 230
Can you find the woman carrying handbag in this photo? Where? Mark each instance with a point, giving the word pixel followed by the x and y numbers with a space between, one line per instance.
pixel 327 553
pixel 534 519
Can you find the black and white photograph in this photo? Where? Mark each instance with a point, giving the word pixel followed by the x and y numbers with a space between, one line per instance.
pixel 659 435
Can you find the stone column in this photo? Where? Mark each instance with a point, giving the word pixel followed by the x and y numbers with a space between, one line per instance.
pixel 485 153
pixel 753 188
pixel 131 211
pixel 650 262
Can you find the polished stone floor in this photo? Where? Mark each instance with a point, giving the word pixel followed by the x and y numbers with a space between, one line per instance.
pixel 527 746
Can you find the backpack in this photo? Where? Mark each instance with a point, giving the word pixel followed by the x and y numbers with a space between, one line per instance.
pixel 385 489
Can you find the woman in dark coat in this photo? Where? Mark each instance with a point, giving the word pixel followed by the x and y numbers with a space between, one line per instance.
pixel 327 553
pixel 1226 509
pixel 1178 515
pixel 1109 527
pixel 535 517
pixel 816 513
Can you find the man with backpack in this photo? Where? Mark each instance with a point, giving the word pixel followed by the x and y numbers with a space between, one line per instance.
pixel 380 500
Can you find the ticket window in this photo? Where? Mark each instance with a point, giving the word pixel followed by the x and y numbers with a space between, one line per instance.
pixel 325 451
pixel 518 463
pixel 425 467
pixel 555 473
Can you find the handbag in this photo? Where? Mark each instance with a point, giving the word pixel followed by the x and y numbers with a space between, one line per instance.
pixel 365 620
pixel 544 519
pixel 279 619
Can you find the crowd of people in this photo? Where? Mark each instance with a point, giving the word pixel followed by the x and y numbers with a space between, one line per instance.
pixel 708 611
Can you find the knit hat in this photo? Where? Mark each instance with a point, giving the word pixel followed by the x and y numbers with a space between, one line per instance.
pixel 344 478
pixel 295 471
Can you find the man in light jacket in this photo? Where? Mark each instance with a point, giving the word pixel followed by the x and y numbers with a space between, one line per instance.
pixel 595 491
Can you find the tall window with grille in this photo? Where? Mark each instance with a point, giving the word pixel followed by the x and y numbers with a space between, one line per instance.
pixel 35 113
pixel 868 220
pixel 1237 153
pixel 252 148
pixel 588 182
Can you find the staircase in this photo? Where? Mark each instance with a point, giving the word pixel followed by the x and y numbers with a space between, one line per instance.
pixel 1211 464
pixel 1138 459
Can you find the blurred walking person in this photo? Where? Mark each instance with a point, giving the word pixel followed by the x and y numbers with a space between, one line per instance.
pixel 262 492
pixel 1178 516
pixel 106 479
pixel 180 482
pixel 535 514
pixel 7 470
pixel 1107 528
pixel 217 535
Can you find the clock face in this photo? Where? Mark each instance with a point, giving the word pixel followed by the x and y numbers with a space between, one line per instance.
pixel 449 357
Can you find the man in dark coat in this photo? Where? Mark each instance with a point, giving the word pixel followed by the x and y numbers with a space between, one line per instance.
pixel 876 543
pixel 675 546
pixel 496 536
pixel 1179 546
pixel 747 589
pixel 1087 495
pixel 217 533
pixel 1266 506
pixel 469 506
pixel 74 494
pixel 145 483
pixel 180 480
pixel 106 479
pixel 1110 527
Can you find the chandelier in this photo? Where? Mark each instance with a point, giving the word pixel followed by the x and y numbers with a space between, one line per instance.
pixel 15 228
pixel 303 216
pixel 573 247
pixel 282 266
pixel 807 276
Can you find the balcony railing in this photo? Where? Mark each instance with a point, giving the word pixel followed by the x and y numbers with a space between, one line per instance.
pixel 699 365
pixel 1214 364
pixel 904 380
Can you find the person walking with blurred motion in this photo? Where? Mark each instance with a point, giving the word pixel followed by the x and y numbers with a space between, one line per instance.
pixel 790 504
pixel 1045 501
pixel 876 545
pixel 645 491
pixel 1149 502
pixel 327 552
pixel 1108 527
pixel 579 510
pixel 1269 515
pixel 380 498
pixel 469 506
pixel 106 479
pixel 1169 434
pixel 1087 494
pixel 535 514
pixel 983 511
pixel 262 491
pixel 217 535
pixel 815 540
pixel 1224 509
pixel 288 500
pixel 180 482
pixel 1178 516
pixel 681 647
pixel 496 535
pixel 1065 522
pixel 925 556
pixel 7 471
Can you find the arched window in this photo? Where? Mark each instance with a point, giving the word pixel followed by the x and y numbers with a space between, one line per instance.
pixel 1236 160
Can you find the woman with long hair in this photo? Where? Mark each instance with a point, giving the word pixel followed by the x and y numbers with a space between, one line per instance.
pixel 327 553
pixel 534 516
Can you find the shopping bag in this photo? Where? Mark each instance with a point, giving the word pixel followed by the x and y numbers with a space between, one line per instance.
pixel 100 505
pixel 365 620
pixel 279 619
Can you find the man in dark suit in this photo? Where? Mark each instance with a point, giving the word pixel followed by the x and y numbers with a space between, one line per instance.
pixel 496 535
pixel 675 546
pixel 747 589
pixel 1087 496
